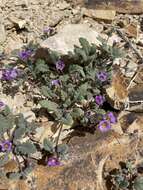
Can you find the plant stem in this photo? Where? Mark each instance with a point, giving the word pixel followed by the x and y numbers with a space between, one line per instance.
pixel 57 141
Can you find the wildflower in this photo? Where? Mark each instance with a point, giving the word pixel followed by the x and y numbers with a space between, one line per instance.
pixel 9 74
pixel 102 76
pixel 6 146
pixel 55 82
pixel 2 105
pixel 104 126
pixel 53 162
pixel 60 65
pixel 110 117
pixel 48 30
pixel 25 54
pixel 99 99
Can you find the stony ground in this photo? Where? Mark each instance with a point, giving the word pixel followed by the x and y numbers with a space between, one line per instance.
pixel 23 21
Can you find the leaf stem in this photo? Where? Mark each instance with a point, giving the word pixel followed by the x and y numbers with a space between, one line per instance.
pixel 57 141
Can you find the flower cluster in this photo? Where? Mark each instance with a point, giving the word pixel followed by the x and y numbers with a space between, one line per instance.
pixel 99 99
pixel 55 82
pixel 9 74
pixel 102 76
pixel 48 30
pixel 105 124
pixel 6 146
pixel 60 65
pixel 53 162
pixel 25 54
pixel 2 105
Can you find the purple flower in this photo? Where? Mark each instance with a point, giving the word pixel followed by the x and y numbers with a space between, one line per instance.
pixel 48 30
pixel 102 76
pixel 2 105
pixel 53 162
pixel 25 54
pixel 55 82
pixel 60 65
pixel 110 117
pixel 9 74
pixel 99 99
pixel 104 126
pixel 6 146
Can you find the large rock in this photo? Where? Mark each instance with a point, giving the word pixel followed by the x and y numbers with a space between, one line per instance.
pixel 69 36
pixel 89 155
pixel 2 31
pixel 121 6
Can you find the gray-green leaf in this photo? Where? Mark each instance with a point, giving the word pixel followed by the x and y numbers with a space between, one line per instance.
pixel 26 148
pixel 138 183
pixel 48 145
pixel 49 105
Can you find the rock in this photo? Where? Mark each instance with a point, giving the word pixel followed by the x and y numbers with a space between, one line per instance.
pixel 69 36
pixel 22 3
pixel 14 43
pixel 128 6
pixel 2 31
pixel 63 5
pixel 132 30
pixel 55 19
pixel 106 15
pixel 18 23
pixel 88 155
pixel 84 166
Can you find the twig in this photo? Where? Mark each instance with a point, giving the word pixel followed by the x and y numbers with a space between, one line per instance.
pixel 130 44
pixel 135 50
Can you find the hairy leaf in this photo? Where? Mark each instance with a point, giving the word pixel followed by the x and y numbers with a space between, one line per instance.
pixel 67 120
pixel 49 105
pixel 14 175
pixel 62 149
pixel 77 113
pixel 26 148
pixel 138 183
pixel 41 67
pixel 85 45
pixel 19 132
pixel 48 145
pixel 77 68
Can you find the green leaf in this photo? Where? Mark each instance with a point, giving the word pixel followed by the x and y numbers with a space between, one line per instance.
pixel 41 67
pixel 19 132
pixel 54 56
pixel 5 123
pixel 77 113
pixel 81 53
pixel 49 105
pixel 62 149
pixel 138 183
pixel 46 91
pixel 76 68
pixel 48 145
pixel 63 95
pixel 26 148
pixel 14 175
pixel 83 89
pixel 6 111
pixel 64 78
pixel 85 45
pixel 67 120
pixel 123 184
pixel 21 121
